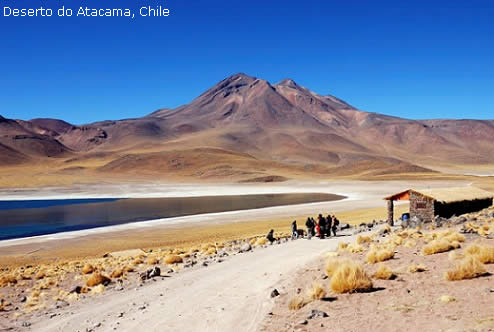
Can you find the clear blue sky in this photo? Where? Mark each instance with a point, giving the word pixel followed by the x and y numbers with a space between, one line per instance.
pixel 415 59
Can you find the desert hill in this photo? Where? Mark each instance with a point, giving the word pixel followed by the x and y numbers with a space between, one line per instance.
pixel 245 127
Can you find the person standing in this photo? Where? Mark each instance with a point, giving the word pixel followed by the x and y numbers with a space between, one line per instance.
pixel 294 230
pixel 336 223
pixel 310 227
pixel 322 226
pixel 329 225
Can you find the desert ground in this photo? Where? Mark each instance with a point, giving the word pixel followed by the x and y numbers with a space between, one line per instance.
pixel 211 288
pixel 205 278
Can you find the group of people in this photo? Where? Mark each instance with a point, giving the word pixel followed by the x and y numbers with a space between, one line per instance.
pixel 321 228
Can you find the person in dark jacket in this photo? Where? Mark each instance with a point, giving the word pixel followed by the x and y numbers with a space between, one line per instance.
pixel 329 225
pixel 294 230
pixel 270 236
pixel 310 228
pixel 322 225
pixel 336 223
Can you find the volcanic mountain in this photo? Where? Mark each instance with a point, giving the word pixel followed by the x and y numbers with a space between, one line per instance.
pixel 245 128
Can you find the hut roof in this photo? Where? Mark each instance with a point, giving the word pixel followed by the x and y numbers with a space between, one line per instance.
pixel 448 195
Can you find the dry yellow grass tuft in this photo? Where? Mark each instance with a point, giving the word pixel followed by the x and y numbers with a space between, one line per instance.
pixel 98 289
pixel 87 268
pixel 151 260
pixel 332 264
pixel 384 272
pixel 410 243
pixel 7 280
pixel 447 299
pixel 117 273
pixel 261 241
pixel 440 245
pixel 416 268
pixel 342 246
pixel 350 277
pixel 363 239
pixel 355 248
pixel 128 268
pixel 40 275
pixel 485 254
pixel 97 279
pixel 376 255
pixel 211 251
pixel 468 268
pixel 298 302
pixel 316 292
pixel 173 259
pixel 453 255
pixel 137 261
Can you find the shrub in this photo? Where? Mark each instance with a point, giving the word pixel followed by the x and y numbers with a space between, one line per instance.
pixel 332 264
pixel 152 260
pixel 350 277
pixel 7 280
pixel 363 239
pixel 485 254
pixel 439 245
pixel 316 292
pixel 342 246
pixel 384 272
pixel 97 279
pixel 355 248
pixel 173 259
pixel 297 303
pixel 117 273
pixel 447 299
pixel 40 275
pixel 87 268
pixel 261 241
pixel 468 268
pixel 98 289
pixel 379 255
pixel 416 268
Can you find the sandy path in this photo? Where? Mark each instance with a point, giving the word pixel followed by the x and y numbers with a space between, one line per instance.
pixel 227 296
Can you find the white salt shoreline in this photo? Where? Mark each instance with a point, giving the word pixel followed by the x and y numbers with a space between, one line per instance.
pixel 359 195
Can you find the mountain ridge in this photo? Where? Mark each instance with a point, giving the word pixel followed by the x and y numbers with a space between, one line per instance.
pixel 283 125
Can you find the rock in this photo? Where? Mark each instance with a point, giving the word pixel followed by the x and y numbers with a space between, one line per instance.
pixel 154 272
pixel 23 299
pixel 120 315
pixel 275 293
pixel 222 254
pixel 61 304
pixel 383 231
pixel 205 263
pixel 491 215
pixel 76 289
pixel 343 226
pixel 317 313
pixel 244 248
pixel 25 324
pixel 304 322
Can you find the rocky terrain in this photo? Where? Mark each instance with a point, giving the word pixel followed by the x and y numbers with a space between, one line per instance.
pixel 436 277
pixel 410 262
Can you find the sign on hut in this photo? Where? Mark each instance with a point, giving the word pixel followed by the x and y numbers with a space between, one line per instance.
pixel 426 204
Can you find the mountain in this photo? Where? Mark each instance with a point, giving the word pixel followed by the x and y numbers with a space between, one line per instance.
pixel 246 128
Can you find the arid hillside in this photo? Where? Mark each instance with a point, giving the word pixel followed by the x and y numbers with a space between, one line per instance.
pixel 241 129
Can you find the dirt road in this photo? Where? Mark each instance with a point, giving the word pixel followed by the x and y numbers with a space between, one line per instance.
pixel 230 296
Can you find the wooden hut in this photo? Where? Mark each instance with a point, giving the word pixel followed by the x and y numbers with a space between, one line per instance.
pixel 441 202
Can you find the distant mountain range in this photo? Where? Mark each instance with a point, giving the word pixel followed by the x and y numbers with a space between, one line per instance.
pixel 245 128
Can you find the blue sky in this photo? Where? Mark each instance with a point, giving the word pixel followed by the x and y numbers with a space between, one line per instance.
pixel 415 59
